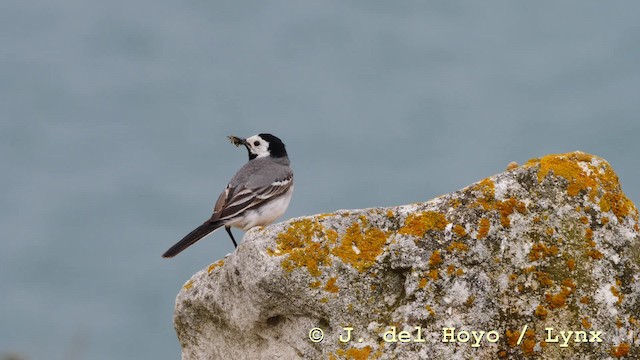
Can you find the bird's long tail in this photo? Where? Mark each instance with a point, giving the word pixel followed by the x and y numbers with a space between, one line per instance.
pixel 197 234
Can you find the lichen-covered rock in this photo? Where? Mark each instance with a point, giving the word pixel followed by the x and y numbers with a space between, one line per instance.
pixel 505 268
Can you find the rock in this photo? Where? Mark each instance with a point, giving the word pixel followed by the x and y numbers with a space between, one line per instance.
pixel 504 268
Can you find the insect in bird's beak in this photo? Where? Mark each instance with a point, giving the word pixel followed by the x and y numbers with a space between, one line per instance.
pixel 237 141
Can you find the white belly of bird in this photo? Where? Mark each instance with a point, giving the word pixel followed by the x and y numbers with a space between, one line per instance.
pixel 263 215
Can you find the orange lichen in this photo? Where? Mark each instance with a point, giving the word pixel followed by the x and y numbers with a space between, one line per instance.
pixel 595 177
pixel 422 283
pixel 435 259
pixel 529 342
pixel 455 245
pixel 358 354
pixel 360 248
pixel 418 224
pixel 617 293
pixel 390 214
pixel 331 285
pixel 459 272
pixel 459 230
pixel 450 269
pixel 215 265
pixel 595 254
pixel 588 233
pixel 188 285
pixel 585 323
pixel 430 310
pixel 621 350
pixel 512 337
pixel 541 312
pixel 604 221
pixel 315 284
pixel 298 242
pixel 544 278
pixel 584 220
pixel 585 300
pixel 540 250
pixel 507 207
pixel 566 166
pixel 433 274
pixel 483 229
pixel 571 264
pixel 560 299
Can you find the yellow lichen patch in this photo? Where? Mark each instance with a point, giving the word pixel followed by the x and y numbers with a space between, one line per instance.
pixel 315 284
pixel 457 246
pixel 599 181
pixel 435 259
pixel 541 312
pixel 540 250
pixel 588 233
pixel 215 265
pixel 571 264
pixel 433 274
pixel 422 283
pixel 512 337
pixel 483 228
pixel 459 230
pixel 332 236
pixel 507 207
pixel 360 248
pixel 188 285
pixel 331 285
pixel 430 310
pixel 418 224
pixel 621 350
pixel 566 166
pixel 585 323
pixel 544 278
pixel 324 300
pixel 358 354
pixel 617 293
pixel 298 243
pixel 390 214
pixel 451 269
pixel 595 254
pixel 560 299
pixel 605 220
pixel 584 220
pixel 529 342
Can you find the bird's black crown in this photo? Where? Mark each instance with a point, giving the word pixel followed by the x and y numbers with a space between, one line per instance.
pixel 276 147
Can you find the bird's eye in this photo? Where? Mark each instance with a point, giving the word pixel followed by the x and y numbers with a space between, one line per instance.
pixel 257 143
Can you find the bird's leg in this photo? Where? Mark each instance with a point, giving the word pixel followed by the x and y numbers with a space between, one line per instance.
pixel 228 228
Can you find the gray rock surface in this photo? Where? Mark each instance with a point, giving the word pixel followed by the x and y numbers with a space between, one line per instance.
pixel 550 244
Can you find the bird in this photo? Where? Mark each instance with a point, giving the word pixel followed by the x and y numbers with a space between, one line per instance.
pixel 257 195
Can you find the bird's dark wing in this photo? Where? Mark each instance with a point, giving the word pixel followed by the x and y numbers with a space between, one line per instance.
pixel 235 200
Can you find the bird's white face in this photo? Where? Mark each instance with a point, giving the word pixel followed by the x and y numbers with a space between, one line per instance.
pixel 258 146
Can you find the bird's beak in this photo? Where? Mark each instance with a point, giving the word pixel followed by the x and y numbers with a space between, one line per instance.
pixel 238 141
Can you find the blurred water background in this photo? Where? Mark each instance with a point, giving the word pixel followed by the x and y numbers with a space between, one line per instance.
pixel 114 117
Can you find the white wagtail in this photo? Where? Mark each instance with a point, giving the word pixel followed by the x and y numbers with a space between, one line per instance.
pixel 257 195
